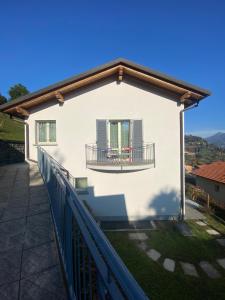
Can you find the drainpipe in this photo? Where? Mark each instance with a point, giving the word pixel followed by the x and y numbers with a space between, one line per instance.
pixel 182 158
pixel 26 134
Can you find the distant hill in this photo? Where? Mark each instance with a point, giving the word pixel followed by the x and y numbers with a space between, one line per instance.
pixel 198 151
pixel 217 139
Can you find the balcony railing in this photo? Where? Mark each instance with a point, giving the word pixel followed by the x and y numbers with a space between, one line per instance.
pixel 93 270
pixel 127 158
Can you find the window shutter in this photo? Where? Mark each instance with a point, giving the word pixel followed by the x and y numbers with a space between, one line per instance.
pixel 136 133
pixel 137 140
pixel 101 134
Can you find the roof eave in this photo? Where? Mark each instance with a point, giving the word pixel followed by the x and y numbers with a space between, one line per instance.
pixel 120 61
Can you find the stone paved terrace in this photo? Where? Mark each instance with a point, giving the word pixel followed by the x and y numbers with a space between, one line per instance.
pixel 29 261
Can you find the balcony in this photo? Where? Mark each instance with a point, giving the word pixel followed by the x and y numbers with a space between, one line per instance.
pixel 126 159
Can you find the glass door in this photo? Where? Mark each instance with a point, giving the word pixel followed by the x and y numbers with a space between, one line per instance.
pixel 119 141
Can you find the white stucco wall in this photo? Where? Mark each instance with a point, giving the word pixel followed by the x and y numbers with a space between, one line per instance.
pixel 135 195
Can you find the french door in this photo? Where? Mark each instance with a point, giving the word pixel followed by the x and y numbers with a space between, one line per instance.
pixel 119 137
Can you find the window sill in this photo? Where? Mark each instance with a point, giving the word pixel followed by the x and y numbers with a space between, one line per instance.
pixel 45 144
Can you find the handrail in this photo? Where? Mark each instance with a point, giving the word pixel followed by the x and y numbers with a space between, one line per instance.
pixel 86 252
pixel 127 156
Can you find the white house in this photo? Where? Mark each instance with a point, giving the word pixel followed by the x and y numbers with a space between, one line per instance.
pixel 118 129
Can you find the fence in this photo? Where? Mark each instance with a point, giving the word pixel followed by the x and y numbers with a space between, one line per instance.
pixel 92 268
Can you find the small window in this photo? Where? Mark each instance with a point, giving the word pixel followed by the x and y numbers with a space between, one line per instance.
pixel 217 188
pixel 46 132
pixel 81 185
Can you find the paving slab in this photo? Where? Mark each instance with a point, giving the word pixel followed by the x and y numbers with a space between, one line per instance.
pixel 200 223
pixel 143 246
pixel 9 291
pixel 221 242
pixel 212 232
pixel 10 262
pixel 154 226
pixel 189 269
pixel 154 254
pixel 141 236
pixel 209 269
pixel 45 285
pixel 169 264
pixel 221 262
pixel 27 242
pixel 39 258
pixel 192 212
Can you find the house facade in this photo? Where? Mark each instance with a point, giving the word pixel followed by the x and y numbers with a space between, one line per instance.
pixel 118 129
pixel 211 179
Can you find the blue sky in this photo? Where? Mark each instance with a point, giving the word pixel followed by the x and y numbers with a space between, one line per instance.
pixel 42 42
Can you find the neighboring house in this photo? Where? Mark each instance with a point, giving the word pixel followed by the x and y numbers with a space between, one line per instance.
pixel 118 129
pixel 211 178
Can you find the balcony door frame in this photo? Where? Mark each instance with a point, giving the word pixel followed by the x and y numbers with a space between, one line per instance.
pixel 119 121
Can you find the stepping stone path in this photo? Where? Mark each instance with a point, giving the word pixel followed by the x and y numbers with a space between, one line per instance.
pixel 189 269
pixel 153 254
pixel 221 262
pixel 212 232
pixel 141 236
pixel 209 270
pixel 200 223
pixel 169 264
pixel 221 242
pixel 142 246
pixel 153 225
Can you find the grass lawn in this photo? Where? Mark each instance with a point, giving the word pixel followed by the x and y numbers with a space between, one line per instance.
pixel 10 129
pixel 161 284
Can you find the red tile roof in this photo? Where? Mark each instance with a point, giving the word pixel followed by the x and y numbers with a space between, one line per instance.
pixel 214 171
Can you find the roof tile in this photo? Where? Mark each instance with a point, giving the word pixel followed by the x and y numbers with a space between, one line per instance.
pixel 214 171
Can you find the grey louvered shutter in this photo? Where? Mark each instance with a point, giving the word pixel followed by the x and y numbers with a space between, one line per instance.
pixel 137 139
pixel 101 139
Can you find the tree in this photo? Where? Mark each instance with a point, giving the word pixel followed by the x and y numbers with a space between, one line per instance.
pixel 17 90
pixel 2 99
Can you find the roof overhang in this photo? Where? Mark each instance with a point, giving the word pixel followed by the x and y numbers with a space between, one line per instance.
pixel 187 94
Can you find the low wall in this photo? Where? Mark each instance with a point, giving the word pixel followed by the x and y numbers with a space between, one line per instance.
pixel 11 152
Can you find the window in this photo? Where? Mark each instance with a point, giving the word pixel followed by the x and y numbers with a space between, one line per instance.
pixel 217 188
pixel 81 185
pixel 119 139
pixel 45 132
pixel 119 134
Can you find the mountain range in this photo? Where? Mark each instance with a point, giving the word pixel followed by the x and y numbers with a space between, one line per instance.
pixel 217 139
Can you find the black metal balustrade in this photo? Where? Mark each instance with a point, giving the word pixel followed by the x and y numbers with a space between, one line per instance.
pixel 93 269
pixel 129 156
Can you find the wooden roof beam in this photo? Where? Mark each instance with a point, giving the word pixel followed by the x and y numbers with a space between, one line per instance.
pixel 160 83
pixel 186 96
pixel 120 73
pixel 22 111
pixel 59 97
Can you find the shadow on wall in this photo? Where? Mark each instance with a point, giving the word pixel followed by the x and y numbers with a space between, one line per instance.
pixel 162 205
pixel 166 203
pixel 106 206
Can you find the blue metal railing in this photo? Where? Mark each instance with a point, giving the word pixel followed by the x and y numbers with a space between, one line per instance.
pixel 92 267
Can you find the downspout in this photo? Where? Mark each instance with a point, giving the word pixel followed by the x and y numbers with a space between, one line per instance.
pixel 26 135
pixel 182 158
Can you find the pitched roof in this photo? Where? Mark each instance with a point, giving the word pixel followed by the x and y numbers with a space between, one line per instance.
pixel 125 66
pixel 214 171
